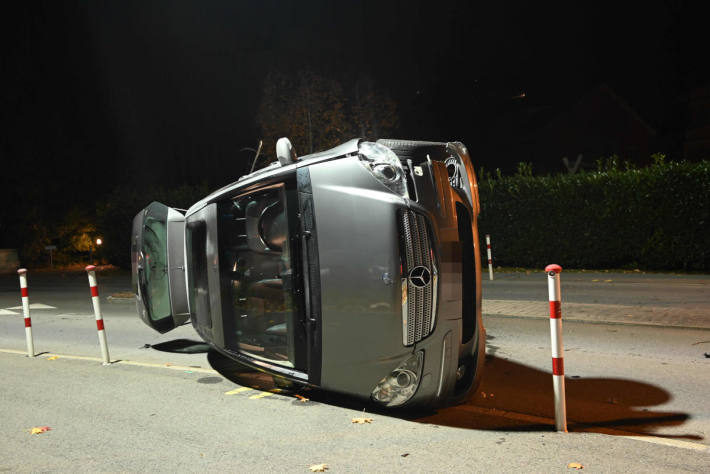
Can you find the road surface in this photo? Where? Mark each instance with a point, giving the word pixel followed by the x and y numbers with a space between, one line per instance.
pixel 636 393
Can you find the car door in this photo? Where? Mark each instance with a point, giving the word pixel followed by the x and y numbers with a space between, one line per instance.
pixel 158 266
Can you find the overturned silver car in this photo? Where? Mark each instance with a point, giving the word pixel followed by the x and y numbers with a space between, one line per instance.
pixel 356 270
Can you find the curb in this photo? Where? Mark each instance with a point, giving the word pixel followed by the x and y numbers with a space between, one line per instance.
pixel 121 299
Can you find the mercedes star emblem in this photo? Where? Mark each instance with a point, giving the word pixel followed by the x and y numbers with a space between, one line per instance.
pixel 420 276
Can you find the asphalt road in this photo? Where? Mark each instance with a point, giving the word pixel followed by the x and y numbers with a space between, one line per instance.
pixel 636 395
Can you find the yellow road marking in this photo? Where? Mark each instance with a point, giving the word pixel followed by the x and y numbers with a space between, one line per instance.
pixel 238 390
pixel 261 395
pixel 119 362
pixel 675 443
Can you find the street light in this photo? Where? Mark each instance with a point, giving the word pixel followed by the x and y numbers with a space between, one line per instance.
pixel 91 250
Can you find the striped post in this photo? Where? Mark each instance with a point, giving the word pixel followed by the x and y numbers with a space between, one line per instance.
pixel 490 259
pixel 558 366
pixel 26 312
pixel 91 270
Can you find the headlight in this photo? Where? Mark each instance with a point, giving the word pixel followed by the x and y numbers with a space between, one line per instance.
pixel 401 384
pixel 385 166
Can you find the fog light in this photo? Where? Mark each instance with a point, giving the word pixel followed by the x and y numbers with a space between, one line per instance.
pixel 401 384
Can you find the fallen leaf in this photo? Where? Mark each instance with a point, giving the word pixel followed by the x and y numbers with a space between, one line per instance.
pixel 608 281
pixel 318 467
pixel 301 397
pixel 361 420
pixel 575 465
pixel 404 455
pixel 53 358
pixel 595 279
pixel 168 364
pixel 39 429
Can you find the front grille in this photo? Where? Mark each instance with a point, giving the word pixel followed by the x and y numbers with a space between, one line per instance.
pixel 418 301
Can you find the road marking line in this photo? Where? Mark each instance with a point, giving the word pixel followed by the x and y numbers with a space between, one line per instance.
pixel 119 362
pixel 238 390
pixel 261 395
pixel 35 306
pixel 8 312
pixel 674 443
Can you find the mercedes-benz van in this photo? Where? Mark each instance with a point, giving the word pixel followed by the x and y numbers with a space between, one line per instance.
pixel 356 270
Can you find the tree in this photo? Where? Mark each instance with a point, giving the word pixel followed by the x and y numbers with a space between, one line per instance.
pixel 307 108
pixel 374 113
pixel 316 112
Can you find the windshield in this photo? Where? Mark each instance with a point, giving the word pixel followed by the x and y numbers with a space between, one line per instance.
pixel 257 264
pixel 155 245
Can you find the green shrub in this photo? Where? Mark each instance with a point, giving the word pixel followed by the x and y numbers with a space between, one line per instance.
pixel 654 218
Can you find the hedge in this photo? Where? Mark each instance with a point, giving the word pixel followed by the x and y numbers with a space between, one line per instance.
pixel 650 218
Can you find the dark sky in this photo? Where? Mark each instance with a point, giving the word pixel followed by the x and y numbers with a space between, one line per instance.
pixel 99 93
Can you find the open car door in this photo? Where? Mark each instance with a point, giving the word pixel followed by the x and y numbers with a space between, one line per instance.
pixel 158 264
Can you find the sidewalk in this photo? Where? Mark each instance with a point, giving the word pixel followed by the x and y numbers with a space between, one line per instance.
pixel 659 299
pixel 618 298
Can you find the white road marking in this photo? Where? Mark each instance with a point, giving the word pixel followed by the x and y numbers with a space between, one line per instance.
pixel 35 306
pixel 8 312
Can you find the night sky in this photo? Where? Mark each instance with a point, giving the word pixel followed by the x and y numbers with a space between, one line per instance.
pixel 98 94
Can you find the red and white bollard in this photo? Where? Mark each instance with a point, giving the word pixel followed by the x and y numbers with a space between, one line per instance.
pixel 558 366
pixel 91 270
pixel 26 312
pixel 490 259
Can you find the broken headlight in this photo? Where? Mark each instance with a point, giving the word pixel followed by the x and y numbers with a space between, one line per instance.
pixel 385 166
pixel 401 384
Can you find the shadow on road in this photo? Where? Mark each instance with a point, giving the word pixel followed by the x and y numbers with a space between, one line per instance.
pixel 517 398
pixel 181 346
pixel 593 404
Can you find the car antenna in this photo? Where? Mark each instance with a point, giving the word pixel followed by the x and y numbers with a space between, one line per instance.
pixel 258 150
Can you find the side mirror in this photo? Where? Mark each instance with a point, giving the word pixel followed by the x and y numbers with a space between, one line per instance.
pixel 285 152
